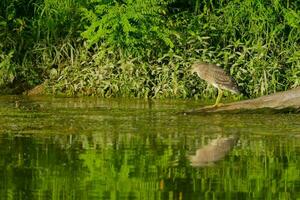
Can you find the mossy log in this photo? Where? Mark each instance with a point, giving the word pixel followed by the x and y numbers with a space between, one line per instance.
pixel 280 102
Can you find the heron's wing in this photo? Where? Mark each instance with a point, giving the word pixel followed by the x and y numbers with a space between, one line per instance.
pixel 223 79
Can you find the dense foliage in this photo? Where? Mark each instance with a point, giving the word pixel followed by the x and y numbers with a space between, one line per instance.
pixel 138 48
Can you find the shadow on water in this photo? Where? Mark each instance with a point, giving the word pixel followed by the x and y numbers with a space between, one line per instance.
pixel 88 148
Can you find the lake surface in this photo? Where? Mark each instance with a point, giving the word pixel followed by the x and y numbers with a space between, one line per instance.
pixel 89 148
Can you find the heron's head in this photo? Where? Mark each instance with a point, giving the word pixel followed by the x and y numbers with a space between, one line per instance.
pixel 197 67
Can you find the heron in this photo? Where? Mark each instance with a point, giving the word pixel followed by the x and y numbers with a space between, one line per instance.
pixel 216 76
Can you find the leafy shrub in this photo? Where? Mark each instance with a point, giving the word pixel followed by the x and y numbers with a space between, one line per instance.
pixel 133 26
pixel 34 31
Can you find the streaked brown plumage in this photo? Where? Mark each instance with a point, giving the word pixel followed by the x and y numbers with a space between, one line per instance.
pixel 215 76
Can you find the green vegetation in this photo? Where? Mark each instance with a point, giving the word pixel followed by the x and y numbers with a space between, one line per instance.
pixel 144 48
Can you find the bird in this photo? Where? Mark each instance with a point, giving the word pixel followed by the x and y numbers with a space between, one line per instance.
pixel 216 76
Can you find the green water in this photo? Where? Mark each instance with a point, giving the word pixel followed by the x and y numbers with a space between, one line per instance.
pixel 65 148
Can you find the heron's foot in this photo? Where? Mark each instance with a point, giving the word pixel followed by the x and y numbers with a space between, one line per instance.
pixel 216 105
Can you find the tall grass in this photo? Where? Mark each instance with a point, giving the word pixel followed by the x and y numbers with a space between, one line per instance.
pixel 145 48
pixel 37 35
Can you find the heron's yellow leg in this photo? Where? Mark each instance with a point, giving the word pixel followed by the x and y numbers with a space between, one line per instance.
pixel 220 94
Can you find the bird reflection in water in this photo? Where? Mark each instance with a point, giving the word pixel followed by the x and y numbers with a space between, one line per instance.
pixel 216 150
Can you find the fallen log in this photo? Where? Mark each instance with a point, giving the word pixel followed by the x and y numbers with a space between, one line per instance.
pixel 287 101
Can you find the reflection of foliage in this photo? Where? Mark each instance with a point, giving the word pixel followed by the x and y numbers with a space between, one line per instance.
pixel 261 168
pixel 106 153
pixel 136 167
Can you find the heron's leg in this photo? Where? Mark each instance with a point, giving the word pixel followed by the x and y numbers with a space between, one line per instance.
pixel 220 94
